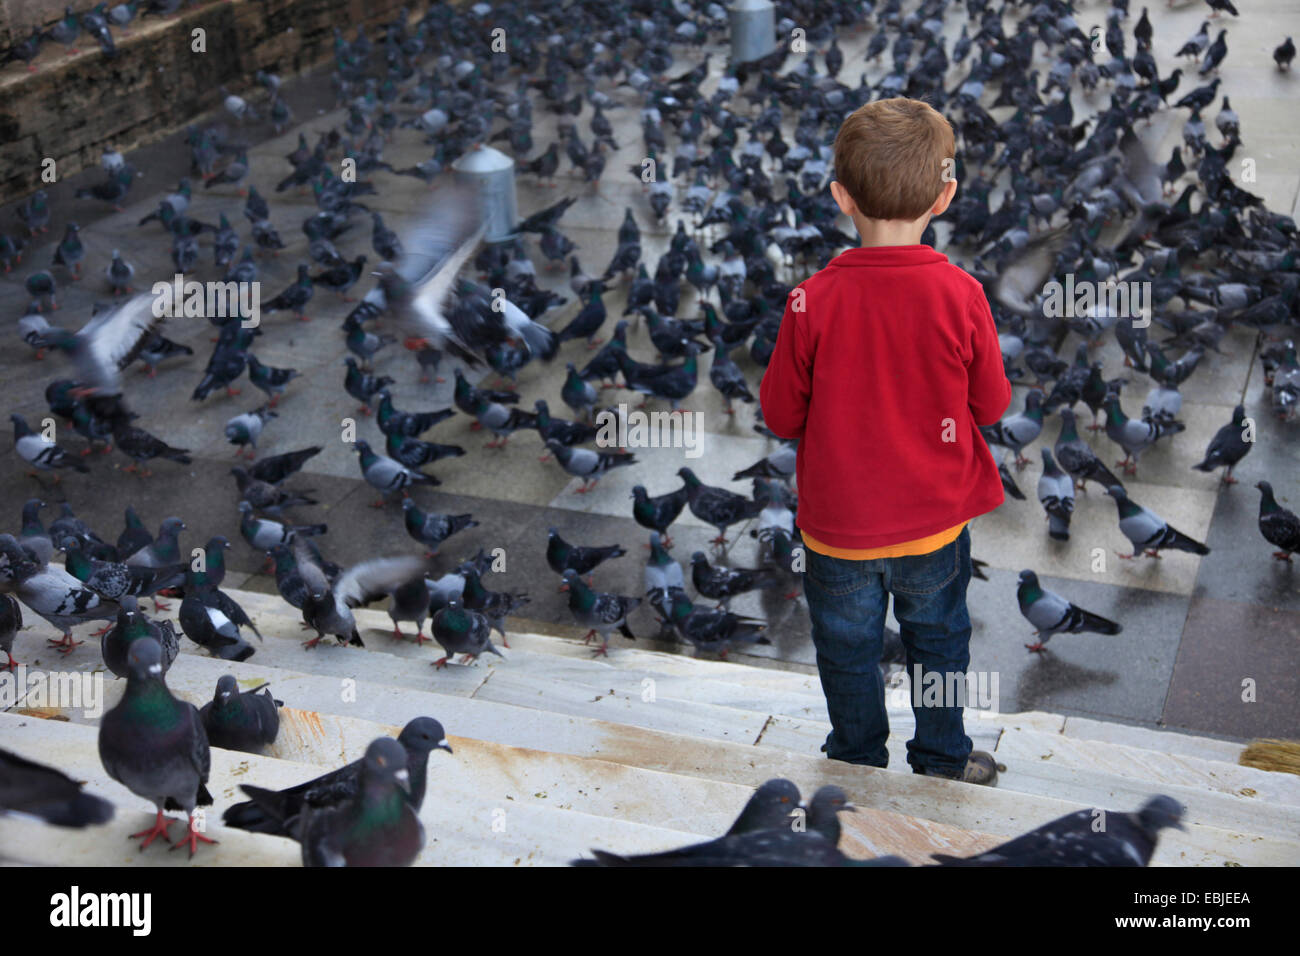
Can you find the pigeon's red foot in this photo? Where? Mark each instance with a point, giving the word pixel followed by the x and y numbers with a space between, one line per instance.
pixel 365 410
pixel 308 645
pixel 441 662
pixel 159 829
pixel 602 651
pixel 192 839
pixel 65 644
pixel 791 595
pixel 161 605
pixel 12 663
pixel 1037 648
pixel 397 633
pixel 589 636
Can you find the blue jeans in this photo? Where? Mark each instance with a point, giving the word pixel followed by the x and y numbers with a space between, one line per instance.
pixel 847 601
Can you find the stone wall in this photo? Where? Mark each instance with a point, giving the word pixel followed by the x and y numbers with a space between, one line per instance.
pixel 73 106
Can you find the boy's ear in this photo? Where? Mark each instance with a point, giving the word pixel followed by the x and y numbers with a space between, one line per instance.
pixel 843 199
pixel 945 198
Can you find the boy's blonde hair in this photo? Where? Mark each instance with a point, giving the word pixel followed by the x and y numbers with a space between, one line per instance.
pixel 890 157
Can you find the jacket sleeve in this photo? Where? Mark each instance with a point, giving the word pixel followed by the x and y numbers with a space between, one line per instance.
pixel 989 391
pixel 787 383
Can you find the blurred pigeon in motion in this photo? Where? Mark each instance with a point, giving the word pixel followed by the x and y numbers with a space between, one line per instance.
pixel 34 790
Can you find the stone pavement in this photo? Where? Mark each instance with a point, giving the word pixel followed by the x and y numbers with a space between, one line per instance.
pixel 1194 628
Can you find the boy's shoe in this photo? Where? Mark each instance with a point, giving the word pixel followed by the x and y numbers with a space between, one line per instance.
pixel 980 769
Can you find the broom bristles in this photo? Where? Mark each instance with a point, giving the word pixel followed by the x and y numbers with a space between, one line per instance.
pixel 1269 753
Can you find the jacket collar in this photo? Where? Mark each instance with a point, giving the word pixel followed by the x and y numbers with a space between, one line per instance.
pixel 917 255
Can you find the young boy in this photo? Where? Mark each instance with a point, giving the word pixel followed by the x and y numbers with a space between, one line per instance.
pixel 886 366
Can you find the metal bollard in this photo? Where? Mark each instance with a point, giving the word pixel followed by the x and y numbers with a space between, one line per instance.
pixel 753 30
pixel 492 173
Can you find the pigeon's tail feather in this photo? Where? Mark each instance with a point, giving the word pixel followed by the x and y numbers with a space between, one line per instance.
pixel 1058 527
pixel 626 631
pixel 1096 623
pixel 1181 542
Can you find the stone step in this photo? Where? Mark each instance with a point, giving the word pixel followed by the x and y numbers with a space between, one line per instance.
pixel 464 827
pixel 1149 766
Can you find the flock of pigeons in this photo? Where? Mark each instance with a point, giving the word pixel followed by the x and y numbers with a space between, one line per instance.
pixel 1043 194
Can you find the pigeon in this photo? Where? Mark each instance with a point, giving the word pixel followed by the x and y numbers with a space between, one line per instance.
pixel 1284 53
pixel 1230 444
pixel 562 556
pixel 327 607
pixel 263 533
pixel 759 844
pixel 247 721
pixel 577 393
pixel 11 622
pixel 1133 435
pixel 721 584
pixel 112 580
pixel 558 429
pixel 707 630
pixel 157 349
pixel 1279 526
pixel 131 626
pixel 599 611
pixel 1147 531
pixel 39 452
pixel 205 617
pixel 1056 493
pixel 1017 430
pixel 662 573
pixel 244 429
pixel 1085 838
pixel 155 746
pixel 717 506
pixel 277 468
pixel 34 790
pixel 462 631
pixel 50 592
pixel 659 512
pixel 496 606
pixel 160 551
pixel 1052 614
pixel 431 528
pixel 1077 457
pixel 375 826
pixel 780 464
pixel 270 380
pixel 387 475
pixel 587 464
pixel 297 295
pixel 276 812
pixel 412 424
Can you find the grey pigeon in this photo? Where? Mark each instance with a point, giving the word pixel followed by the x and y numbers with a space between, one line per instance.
pixel 587 464
pixel 1052 614
pixel 1056 494
pixel 1077 457
pixel 599 611
pixel 1133 435
pixel 131 626
pixel 462 631
pixel 155 746
pixel 1147 531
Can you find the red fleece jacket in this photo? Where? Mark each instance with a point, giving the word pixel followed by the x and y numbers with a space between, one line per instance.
pixel 886 365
